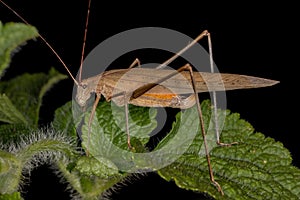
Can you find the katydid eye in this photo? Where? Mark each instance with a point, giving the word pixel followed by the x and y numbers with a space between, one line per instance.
pixel 84 86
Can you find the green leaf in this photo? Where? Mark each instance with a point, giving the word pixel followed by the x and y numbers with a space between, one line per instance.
pixel 42 146
pixel 26 92
pixel 64 121
pixel 91 177
pixel 13 196
pixel 9 113
pixel 10 173
pixel 90 166
pixel 88 176
pixel 108 137
pixel 13 132
pixel 13 35
pixel 256 168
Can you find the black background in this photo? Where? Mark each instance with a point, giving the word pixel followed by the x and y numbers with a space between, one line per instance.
pixel 251 39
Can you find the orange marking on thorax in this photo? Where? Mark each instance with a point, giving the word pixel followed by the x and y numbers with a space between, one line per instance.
pixel 161 96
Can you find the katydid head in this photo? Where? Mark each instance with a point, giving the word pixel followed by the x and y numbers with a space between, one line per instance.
pixel 84 91
pixel 83 94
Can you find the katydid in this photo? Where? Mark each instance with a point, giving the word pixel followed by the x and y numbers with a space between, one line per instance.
pixel 157 87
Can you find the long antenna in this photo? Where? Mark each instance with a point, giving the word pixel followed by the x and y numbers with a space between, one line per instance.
pixel 45 41
pixel 84 39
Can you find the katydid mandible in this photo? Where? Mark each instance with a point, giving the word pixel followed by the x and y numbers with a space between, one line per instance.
pixel 158 87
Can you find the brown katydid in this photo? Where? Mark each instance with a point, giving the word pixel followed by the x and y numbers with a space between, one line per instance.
pixel 165 88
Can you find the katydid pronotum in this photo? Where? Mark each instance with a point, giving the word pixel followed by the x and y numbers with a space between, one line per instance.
pixel 165 88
